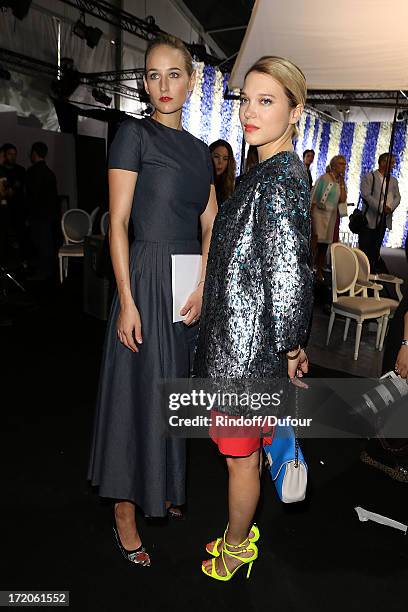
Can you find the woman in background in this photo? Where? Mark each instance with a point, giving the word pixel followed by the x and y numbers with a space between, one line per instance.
pixel 329 191
pixel 223 160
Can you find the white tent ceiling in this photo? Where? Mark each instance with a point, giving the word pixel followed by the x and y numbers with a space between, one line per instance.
pixel 346 45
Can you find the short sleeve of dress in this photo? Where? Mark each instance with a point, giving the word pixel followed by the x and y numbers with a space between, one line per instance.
pixel 125 150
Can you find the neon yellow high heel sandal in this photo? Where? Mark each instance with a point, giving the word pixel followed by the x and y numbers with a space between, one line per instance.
pixel 249 547
pixel 213 550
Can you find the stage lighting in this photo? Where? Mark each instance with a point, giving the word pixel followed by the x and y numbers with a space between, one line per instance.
pixel 19 8
pixel 4 74
pixel 80 29
pixel 69 81
pixel 88 33
pixel 101 97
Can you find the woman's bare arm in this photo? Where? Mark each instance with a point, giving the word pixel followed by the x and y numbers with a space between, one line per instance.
pixel 122 185
pixel 193 305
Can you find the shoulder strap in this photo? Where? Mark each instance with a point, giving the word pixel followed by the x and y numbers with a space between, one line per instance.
pixel 372 185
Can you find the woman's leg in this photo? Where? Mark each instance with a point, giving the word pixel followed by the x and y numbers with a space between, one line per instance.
pixel 243 497
pixel 126 525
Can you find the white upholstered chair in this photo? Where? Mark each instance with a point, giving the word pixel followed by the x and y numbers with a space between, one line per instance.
pixel 76 224
pixel 345 271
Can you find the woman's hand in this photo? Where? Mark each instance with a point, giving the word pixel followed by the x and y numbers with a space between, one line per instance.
pixel 401 365
pixel 129 327
pixel 192 308
pixel 299 366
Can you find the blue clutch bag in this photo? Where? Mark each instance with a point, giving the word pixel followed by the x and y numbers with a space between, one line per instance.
pixel 287 466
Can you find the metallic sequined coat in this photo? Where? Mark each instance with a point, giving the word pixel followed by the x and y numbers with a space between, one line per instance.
pixel 258 294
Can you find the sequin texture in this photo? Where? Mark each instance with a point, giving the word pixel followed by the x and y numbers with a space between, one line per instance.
pixel 258 294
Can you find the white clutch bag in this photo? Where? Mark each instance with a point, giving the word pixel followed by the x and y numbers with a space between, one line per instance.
pixel 185 276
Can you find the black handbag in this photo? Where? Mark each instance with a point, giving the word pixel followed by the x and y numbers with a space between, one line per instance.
pixel 358 219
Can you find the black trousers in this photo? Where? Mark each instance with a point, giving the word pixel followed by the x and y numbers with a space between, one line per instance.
pixel 370 241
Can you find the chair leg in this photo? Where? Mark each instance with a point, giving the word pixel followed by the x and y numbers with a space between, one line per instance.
pixel 331 322
pixel 60 269
pixel 358 338
pixel 346 329
pixel 379 328
pixel 383 331
pixel 66 260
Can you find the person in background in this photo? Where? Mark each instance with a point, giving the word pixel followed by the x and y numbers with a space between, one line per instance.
pixel 379 218
pixel 3 177
pixel 3 208
pixel 16 201
pixel 308 158
pixel 390 455
pixel 329 191
pixel 223 160
pixel 42 211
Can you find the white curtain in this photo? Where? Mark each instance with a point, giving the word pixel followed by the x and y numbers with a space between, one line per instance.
pixel 352 44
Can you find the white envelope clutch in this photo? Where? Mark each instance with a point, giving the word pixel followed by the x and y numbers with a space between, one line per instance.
pixel 185 276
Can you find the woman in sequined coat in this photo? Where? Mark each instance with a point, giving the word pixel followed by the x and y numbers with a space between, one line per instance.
pixel 258 291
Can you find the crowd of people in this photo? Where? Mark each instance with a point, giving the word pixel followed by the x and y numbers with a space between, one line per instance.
pixel 29 211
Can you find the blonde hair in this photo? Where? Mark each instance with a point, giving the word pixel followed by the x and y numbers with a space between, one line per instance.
pixel 334 161
pixel 174 43
pixel 288 75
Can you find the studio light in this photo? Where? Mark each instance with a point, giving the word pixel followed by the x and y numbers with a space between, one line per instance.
pixel 19 8
pixel 101 97
pixel 88 33
pixel 65 86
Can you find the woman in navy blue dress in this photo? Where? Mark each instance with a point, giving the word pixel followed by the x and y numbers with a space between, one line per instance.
pixel 160 176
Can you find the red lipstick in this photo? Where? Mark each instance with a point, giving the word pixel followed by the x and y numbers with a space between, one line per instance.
pixel 165 99
pixel 250 128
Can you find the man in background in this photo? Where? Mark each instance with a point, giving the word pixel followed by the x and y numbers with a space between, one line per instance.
pixel 308 158
pixel 16 198
pixel 378 212
pixel 42 209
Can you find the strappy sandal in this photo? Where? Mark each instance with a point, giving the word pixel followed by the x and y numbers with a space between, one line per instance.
pixel 234 552
pixel 213 550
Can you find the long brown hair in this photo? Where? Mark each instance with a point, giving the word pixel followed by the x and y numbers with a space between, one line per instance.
pixel 225 182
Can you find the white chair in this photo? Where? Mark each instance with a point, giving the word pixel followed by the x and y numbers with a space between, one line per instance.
pixel 93 215
pixel 345 269
pixel 365 282
pixel 389 278
pixel 104 223
pixel 76 224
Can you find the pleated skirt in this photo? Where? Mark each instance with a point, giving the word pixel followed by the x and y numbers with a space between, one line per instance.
pixel 131 456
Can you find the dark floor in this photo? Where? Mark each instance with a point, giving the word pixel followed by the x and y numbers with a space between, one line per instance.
pixel 55 533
